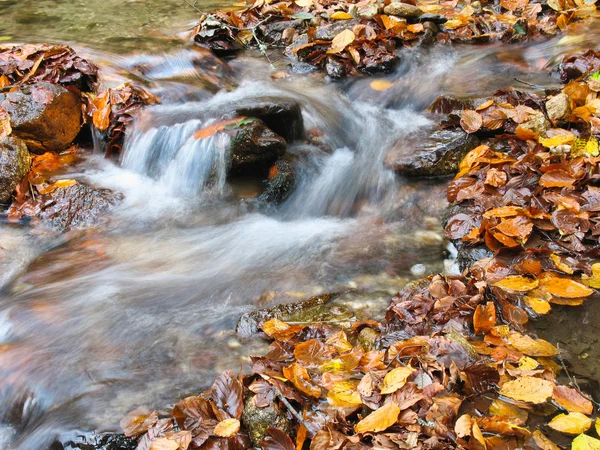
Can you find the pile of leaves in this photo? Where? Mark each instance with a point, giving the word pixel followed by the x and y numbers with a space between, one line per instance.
pixel 351 37
pixel 113 110
pixel 59 64
pixel 472 381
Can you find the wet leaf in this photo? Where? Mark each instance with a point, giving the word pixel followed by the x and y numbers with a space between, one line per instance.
pixel 344 395
pixel 276 439
pixel 538 305
pixel 227 428
pixel 164 444
pixel 543 442
pixel 381 85
pixel 312 353
pixel 564 287
pixel 463 426
pixel 300 378
pixel 471 121
pixel 556 178
pixel 585 442
pixel 594 280
pixel 395 379
pixel 528 389
pixel 560 265
pixel 379 420
pixel 572 423
pixel 101 115
pixel 341 41
pixel 519 227
pixel 517 283
pixel 530 346
pixel 484 318
pixel 138 421
pixel 560 139
pixel 183 438
pixel 503 409
pixel 227 394
pixel 340 15
pixel 572 400
pixel 5 128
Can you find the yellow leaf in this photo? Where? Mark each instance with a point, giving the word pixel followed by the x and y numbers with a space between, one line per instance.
pixel 572 423
pixel 470 159
pixel 463 426
pixel 503 409
pixel 585 442
pixel 477 434
pixel 344 395
pixel 340 15
pixel 527 389
pixel 539 305
pixel 517 283
pixel 597 426
pixel 594 280
pixel 526 363
pixel 564 287
pixel 274 326
pixel 530 346
pixel 227 428
pixel 379 420
pixel 57 184
pixel 560 265
pixel 555 141
pixel 303 3
pixel 341 41
pixel 585 147
pixel 395 379
pixel 381 85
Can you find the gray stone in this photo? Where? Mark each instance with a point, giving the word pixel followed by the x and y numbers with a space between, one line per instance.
pixel 403 10
pixel 14 165
pixel 281 182
pixel 46 116
pixel 367 12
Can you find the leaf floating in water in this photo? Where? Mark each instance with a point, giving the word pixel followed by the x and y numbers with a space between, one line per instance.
pixel 530 346
pixel 381 85
pixel 138 421
pixel 564 287
pixel 585 442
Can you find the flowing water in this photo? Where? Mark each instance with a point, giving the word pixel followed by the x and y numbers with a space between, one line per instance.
pixel 142 310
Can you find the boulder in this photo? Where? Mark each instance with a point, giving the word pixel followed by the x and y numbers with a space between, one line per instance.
pixel 436 156
pixel 14 165
pixel 282 116
pixel 403 10
pixel 257 420
pixel 254 147
pixel 281 182
pixel 46 116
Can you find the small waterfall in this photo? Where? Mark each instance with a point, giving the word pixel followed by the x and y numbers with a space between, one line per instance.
pixel 172 155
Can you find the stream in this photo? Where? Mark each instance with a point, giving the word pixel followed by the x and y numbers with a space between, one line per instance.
pixel 142 310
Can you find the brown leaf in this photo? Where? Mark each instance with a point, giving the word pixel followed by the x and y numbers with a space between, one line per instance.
pixel 471 121
pixel 312 353
pixel 572 400
pixel 484 318
pixel 138 421
pixel 227 393
pixel 556 178
pixel 341 41
pixel 5 128
pixel 276 439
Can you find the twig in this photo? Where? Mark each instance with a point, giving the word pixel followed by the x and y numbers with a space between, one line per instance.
pixel 193 5
pixel 294 413
pixel 535 86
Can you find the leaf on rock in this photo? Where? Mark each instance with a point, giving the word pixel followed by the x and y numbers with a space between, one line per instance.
pixel 227 428
pixel 341 41
pixel 572 423
pixel 471 121
pixel 164 444
pixel 379 420
pixel 517 283
pixel 340 15
pixel 528 389
pixel 5 128
pixel 101 115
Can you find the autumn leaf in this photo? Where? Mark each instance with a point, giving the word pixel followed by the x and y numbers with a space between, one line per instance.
pixel 164 444
pixel 344 394
pixel 517 283
pixel 101 115
pixel 594 280
pixel 564 287
pixel 379 420
pixel 5 128
pixel 528 389
pixel 138 421
pixel 341 41
pixel 484 318
pixel 471 121
pixel 381 85
pixel 560 139
pixel 585 442
pixel 519 227
pixel 227 428
pixel 530 346
pixel 556 178
pixel 312 353
pixel 182 438
pixel 572 400
pixel 395 379
pixel 299 377
pixel 572 423
pixel 538 305
pixel 227 394
pixel 276 439
pixel 560 265
pixel 543 442
pixel 340 15
pixel 213 128
pixel 503 409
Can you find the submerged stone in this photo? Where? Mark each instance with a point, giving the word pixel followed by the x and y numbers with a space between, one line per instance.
pixel 14 165
pixel 46 116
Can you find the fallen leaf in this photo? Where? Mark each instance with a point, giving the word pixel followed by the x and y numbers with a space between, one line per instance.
pixel 471 121
pixel 216 127
pixel 227 428
pixel 585 442
pixel 5 128
pixel 594 280
pixel 341 41
pixel 484 318
pixel 395 379
pixel 517 283
pixel 381 85
pixel 528 389
pixel 572 423
pixel 164 444
pixel 340 15
pixel 299 377
pixel 530 346
pixel 276 439
pixel 379 420
pixel 564 287
pixel 572 400
pixel 543 442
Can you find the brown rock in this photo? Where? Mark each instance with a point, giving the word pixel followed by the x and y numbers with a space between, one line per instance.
pixel 403 10
pixel 559 107
pixel 14 165
pixel 46 116
pixel 255 147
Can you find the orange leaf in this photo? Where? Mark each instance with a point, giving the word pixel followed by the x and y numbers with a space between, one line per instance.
pixel 299 377
pixel 471 121
pixel 216 127
pixel 379 420
pixel 572 400
pixel 484 318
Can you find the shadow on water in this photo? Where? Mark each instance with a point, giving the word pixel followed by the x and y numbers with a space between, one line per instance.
pixel 142 310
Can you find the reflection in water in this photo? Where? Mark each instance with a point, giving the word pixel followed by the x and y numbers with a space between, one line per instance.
pixel 141 312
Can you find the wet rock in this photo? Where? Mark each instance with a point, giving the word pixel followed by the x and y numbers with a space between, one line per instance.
pixel 436 156
pixel 257 420
pixel 328 32
pixel 254 147
pixel 335 69
pixel 46 116
pixel 559 107
pixel 403 10
pixel 281 182
pixel 14 165
pixel 250 323
pixel 368 11
pixel 104 442
pixel 435 18
pixel 467 255
pixel 538 124
pixel 429 36
pixel 76 206
pixel 282 116
pixel 368 338
pixel 445 104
